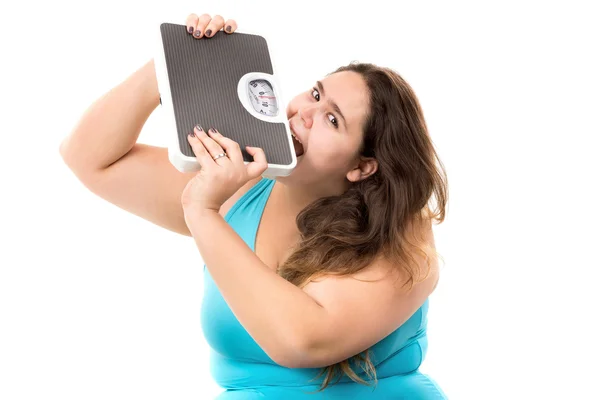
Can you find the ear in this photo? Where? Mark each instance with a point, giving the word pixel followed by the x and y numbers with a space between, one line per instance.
pixel 365 167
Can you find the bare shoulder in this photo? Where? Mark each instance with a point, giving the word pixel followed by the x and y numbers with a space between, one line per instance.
pixel 386 273
pixel 237 195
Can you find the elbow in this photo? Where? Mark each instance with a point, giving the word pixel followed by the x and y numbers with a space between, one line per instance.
pixel 309 341
pixel 296 354
pixel 62 149
pixel 65 155
pixel 285 351
pixel 64 152
pixel 291 358
pixel 77 165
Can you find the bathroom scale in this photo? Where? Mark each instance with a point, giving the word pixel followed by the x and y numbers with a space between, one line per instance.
pixel 226 82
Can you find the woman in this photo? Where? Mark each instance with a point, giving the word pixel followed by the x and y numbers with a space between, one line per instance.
pixel 316 284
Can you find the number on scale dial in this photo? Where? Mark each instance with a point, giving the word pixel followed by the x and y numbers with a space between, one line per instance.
pixel 262 97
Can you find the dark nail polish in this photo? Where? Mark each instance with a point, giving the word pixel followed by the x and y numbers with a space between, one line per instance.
pixel 191 29
pixel 191 134
pixel 208 32
pixel 199 128
pixel 197 34
pixel 213 130
pixel 228 29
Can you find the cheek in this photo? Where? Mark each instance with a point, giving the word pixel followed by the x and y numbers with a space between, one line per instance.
pixel 292 107
pixel 289 111
pixel 329 154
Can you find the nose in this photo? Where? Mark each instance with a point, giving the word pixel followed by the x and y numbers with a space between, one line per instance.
pixel 307 113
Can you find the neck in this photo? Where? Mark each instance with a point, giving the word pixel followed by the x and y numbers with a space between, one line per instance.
pixel 293 198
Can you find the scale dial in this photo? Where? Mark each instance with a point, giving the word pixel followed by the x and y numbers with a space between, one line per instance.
pixel 262 97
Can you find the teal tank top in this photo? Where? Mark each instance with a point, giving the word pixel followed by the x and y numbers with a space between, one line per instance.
pixel 245 371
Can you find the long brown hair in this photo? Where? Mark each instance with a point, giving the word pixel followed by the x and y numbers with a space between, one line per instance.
pixel 340 235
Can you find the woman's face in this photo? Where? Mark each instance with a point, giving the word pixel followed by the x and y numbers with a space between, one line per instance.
pixel 328 120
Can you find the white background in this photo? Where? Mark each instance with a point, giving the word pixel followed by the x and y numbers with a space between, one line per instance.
pixel 96 303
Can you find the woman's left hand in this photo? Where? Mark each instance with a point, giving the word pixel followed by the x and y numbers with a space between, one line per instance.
pixel 218 179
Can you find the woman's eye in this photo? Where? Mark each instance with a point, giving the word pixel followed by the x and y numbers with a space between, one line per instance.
pixel 318 95
pixel 333 120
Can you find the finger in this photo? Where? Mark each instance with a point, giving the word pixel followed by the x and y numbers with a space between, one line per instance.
pixel 202 156
pixel 214 148
pixel 231 147
pixel 200 28
pixel 215 25
pixel 259 165
pixel 191 22
pixel 230 26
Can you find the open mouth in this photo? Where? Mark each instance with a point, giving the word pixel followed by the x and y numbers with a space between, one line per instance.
pixel 297 145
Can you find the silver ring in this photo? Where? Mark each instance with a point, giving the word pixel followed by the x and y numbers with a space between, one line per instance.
pixel 219 156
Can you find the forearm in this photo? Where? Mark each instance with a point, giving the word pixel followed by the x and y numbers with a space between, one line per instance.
pixel 277 314
pixel 110 127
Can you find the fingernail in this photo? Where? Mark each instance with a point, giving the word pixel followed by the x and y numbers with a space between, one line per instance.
pixel 199 127
pixel 228 29
pixel 191 134
pixel 191 29
pixel 197 33
pixel 213 130
pixel 208 32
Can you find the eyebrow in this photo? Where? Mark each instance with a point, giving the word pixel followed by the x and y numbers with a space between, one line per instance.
pixel 335 107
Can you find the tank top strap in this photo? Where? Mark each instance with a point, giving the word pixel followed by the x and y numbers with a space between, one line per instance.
pixel 251 203
pixel 244 216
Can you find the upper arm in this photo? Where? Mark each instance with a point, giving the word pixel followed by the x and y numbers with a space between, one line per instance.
pixel 361 310
pixel 145 183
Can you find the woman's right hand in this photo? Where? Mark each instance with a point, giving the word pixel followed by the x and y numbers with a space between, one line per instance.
pixel 204 25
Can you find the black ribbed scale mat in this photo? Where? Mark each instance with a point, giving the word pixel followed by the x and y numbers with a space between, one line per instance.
pixel 203 77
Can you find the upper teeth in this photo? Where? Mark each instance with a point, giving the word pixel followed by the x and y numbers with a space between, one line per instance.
pixel 296 137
